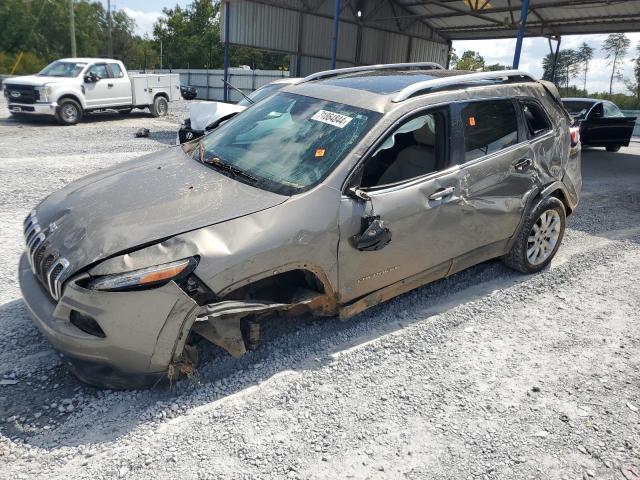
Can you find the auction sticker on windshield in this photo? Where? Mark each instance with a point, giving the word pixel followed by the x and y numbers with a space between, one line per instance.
pixel 331 118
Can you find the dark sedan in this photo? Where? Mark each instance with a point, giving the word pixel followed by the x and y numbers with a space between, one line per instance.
pixel 602 124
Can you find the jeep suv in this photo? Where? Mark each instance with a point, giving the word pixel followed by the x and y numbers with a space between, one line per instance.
pixel 329 197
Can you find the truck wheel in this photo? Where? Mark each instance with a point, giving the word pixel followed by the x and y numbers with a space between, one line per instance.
pixel 69 112
pixel 539 238
pixel 160 107
pixel 613 148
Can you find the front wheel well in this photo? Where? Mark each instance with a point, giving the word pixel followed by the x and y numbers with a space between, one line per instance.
pixel 283 287
pixel 70 97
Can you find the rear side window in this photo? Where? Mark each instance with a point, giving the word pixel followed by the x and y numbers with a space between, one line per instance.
pixel 489 126
pixel 116 70
pixel 536 120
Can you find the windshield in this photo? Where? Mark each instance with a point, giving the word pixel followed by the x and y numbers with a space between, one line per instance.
pixel 62 69
pixel 288 142
pixel 577 107
pixel 262 93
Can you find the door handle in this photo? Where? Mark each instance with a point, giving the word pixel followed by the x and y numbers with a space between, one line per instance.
pixel 443 192
pixel 109 85
pixel 523 164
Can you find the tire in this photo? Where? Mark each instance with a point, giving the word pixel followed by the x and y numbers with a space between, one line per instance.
pixel 544 226
pixel 613 148
pixel 160 107
pixel 125 111
pixel 69 112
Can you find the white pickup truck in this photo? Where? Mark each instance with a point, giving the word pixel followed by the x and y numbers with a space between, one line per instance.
pixel 70 87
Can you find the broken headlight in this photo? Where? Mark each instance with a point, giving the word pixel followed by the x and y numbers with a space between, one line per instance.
pixel 145 277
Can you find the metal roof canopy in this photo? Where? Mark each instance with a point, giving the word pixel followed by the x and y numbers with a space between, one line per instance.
pixel 323 34
pixel 308 29
pixel 490 19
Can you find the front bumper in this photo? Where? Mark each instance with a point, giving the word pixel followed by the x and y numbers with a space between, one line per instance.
pixel 32 108
pixel 145 331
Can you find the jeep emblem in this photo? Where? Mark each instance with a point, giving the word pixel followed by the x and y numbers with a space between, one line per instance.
pixel 15 93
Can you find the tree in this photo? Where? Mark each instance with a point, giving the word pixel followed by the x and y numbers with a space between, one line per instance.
pixel 584 56
pixel 470 60
pixel 495 67
pixel 567 67
pixel 615 47
pixel 633 85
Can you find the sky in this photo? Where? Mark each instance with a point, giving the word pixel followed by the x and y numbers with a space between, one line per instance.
pixel 146 12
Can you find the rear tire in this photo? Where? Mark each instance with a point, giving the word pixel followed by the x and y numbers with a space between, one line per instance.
pixel 613 148
pixel 160 107
pixel 539 238
pixel 69 112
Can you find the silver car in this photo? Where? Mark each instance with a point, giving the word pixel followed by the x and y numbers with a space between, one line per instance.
pixel 328 197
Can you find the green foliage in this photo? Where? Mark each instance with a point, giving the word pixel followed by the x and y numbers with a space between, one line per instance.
pixel 470 60
pixel 567 67
pixel 190 37
pixel 615 47
pixel 625 102
pixel 495 67
pixel 584 55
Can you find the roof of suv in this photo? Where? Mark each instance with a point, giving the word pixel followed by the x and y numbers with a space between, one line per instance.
pixel 381 87
pixel 386 82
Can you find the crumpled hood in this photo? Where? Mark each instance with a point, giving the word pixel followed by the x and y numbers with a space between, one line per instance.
pixel 203 114
pixel 140 202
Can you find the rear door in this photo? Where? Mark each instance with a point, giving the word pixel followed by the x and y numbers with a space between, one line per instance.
pixel 119 86
pixel 497 172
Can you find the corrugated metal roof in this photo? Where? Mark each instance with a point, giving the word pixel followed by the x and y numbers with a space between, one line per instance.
pixel 484 19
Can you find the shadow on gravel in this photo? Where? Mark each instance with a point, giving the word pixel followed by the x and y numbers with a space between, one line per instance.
pixel 610 202
pixel 50 408
pixel 109 116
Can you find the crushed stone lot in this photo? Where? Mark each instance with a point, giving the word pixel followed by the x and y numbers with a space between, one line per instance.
pixel 488 374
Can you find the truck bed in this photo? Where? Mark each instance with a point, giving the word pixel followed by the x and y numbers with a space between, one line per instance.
pixel 144 86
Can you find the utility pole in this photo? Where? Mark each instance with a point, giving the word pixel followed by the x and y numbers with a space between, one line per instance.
pixel 72 29
pixel 110 45
pixel 160 53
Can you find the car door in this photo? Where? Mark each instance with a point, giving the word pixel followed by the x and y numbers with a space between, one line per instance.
pixel 497 174
pixel 618 127
pixel 413 188
pixel 461 212
pixel 119 86
pixel 98 94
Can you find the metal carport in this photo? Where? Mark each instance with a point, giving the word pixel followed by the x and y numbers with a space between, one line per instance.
pixel 321 34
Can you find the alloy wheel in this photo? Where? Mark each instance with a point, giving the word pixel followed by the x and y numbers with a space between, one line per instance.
pixel 543 237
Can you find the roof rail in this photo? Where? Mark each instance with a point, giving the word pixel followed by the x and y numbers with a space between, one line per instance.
pixel 367 68
pixel 427 85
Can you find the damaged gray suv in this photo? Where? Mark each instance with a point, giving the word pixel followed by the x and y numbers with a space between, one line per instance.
pixel 329 197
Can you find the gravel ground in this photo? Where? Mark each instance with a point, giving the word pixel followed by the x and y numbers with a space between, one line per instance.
pixel 488 374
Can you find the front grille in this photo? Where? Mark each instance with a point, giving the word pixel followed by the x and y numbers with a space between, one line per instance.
pixel 22 93
pixel 48 267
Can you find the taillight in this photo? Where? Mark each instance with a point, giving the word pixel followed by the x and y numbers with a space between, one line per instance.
pixel 574 133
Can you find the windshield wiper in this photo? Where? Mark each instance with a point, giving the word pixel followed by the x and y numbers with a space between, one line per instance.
pixel 217 162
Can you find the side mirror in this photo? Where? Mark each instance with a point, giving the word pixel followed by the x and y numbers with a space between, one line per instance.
pixel 91 78
pixel 375 235
pixel 358 193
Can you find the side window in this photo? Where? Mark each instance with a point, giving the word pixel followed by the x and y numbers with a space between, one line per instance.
pixel 612 111
pixel 417 147
pixel 597 111
pixel 489 126
pixel 99 69
pixel 536 120
pixel 116 70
